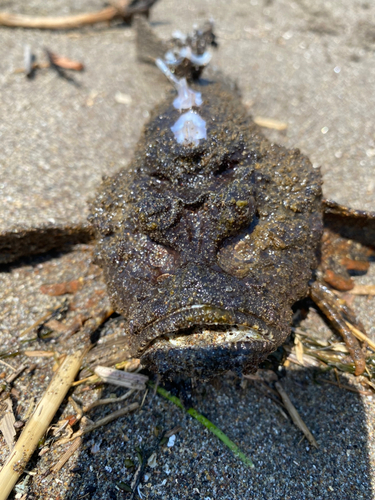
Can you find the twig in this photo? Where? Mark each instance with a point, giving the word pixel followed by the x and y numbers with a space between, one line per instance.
pixel 106 420
pixel 11 378
pixel 346 387
pixel 295 415
pixel 37 323
pixel 39 423
pixel 65 457
pixel 7 365
pixel 39 354
pixel 170 433
pixel 361 336
pixel 121 9
pixel 143 457
pixel 209 425
pixel 363 290
pixel 108 401
pixel 58 23
pixel 144 398
pixel 270 123
pixel 92 379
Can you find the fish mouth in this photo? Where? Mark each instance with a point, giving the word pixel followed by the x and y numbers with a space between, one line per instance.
pixel 179 324
pixel 204 352
pixel 203 340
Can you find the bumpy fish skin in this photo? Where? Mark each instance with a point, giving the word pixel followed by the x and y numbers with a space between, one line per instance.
pixel 218 234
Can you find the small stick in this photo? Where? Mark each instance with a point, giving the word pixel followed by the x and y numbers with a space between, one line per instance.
pixel 170 433
pixel 77 407
pixel 120 378
pixel 295 415
pixel 39 354
pixel 361 336
pixel 12 377
pixel 121 9
pixel 37 323
pixel 346 387
pixel 28 60
pixel 363 290
pixel 92 379
pixel 108 401
pixel 270 123
pixel 7 365
pixel 209 425
pixel 39 422
pixel 106 420
pixel 65 457
pixel 57 23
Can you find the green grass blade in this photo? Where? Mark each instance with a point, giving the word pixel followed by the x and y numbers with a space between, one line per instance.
pixel 207 423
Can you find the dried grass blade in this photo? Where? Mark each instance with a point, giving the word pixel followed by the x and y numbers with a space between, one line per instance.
pixel 363 290
pixel 344 386
pixel 39 423
pixel 295 416
pixel 361 336
pixel 109 418
pixel 107 401
pixel 209 425
pixel 270 123
pixel 65 457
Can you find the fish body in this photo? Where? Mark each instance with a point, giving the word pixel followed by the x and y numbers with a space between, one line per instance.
pixel 209 237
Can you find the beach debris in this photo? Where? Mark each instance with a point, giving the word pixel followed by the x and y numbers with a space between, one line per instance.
pixel 90 426
pixel 56 289
pixel 64 62
pixel 175 430
pixel 299 350
pixel 107 401
pixel 39 422
pixel 58 313
pixel 123 98
pixel 361 336
pixel 65 457
pixel 295 416
pixel 28 60
pixel 344 386
pixel 363 290
pixel 151 462
pixel 109 375
pixel 5 386
pixel 55 61
pixel 270 123
pixel 7 422
pixel 171 441
pixel 185 54
pixel 39 354
pixel 122 9
pixel 333 308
